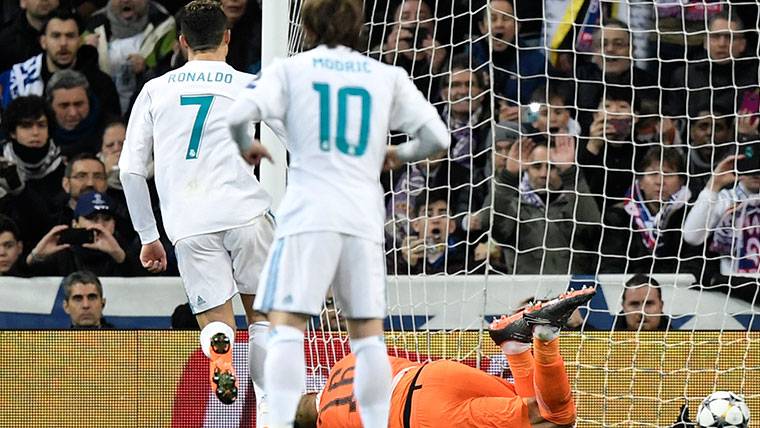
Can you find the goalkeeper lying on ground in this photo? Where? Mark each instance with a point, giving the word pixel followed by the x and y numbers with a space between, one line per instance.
pixel 449 394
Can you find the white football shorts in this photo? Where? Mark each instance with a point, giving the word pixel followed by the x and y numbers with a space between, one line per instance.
pixel 216 266
pixel 301 268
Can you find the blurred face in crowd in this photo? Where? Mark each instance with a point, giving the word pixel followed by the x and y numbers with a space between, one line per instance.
pixel 464 92
pixel 502 20
pixel 103 219
pixel 724 41
pixel 61 42
pixel 84 305
pixel 555 115
pixel 642 303
pixel 10 250
pixel 39 9
pixel 414 12
pixel 434 223
pixel 71 107
pixel 32 133
pixel 619 114
pixel 615 46
pixel 129 10
pixel 659 184
pixel 709 130
pixel 87 175
pixel 501 152
pixel 539 172
pixel 113 139
pixel 234 9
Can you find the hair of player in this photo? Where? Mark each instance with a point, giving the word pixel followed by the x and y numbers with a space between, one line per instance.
pixel 639 280
pixel 8 225
pixel 25 110
pixel 658 156
pixel 65 79
pixel 461 62
pixel 306 413
pixel 81 157
pixel 203 24
pixel 62 14
pixel 332 23
pixel 80 277
pixel 727 16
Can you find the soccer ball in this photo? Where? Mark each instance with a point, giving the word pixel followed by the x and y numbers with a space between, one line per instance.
pixel 723 409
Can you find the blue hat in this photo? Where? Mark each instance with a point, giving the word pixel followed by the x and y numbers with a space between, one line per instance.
pixel 91 203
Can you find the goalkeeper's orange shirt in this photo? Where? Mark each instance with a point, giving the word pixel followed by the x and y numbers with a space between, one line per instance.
pixel 446 394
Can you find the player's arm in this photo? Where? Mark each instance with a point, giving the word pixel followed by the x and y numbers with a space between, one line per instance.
pixel 263 99
pixel 133 171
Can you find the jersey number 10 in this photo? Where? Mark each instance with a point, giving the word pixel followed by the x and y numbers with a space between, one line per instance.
pixel 341 143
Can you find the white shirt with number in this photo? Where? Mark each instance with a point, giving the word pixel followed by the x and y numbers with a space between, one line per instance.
pixel 204 185
pixel 337 107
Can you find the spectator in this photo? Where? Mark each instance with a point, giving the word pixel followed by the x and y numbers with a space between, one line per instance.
pixel 609 155
pixel 62 50
pixel 642 306
pixel 553 115
pixel 729 208
pixel 131 36
pixel 611 66
pixel 411 44
pixel 79 120
pixel 103 254
pixel 467 114
pixel 710 140
pixel 244 18
pixel 183 318
pixel 11 247
pixel 114 135
pixel 29 147
pixel 517 70
pixel 542 216
pixel 20 39
pixel 714 84
pixel 84 173
pixel 643 233
pixel 8 11
pixel 652 127
pixel 84 302
pixel 431 248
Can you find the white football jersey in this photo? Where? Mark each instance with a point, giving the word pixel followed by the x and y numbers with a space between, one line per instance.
pixel 203 183
pixel 337 107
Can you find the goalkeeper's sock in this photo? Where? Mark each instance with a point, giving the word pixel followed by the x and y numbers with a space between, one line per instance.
pixel 258 333
pixel 284 374
pixel 555 400
pixel 372 381
pixel 521 365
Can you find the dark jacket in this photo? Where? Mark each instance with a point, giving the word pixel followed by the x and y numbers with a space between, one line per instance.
pixel 516 72
pixel 710 87
pixel 455 260
pixel 76 258
pixel 19 41
pixel 610 173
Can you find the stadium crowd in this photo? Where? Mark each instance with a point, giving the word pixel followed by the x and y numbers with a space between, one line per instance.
pixel 623 143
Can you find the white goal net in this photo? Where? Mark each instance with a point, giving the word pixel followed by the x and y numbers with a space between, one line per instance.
pixel 606 143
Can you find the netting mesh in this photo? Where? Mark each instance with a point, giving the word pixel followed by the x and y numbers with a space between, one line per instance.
pixel 587 138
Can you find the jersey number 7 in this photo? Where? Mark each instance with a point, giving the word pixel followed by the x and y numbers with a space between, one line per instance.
pixel 204 105
pixel 341 143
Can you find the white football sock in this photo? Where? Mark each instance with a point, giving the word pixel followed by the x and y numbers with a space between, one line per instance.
pixel 512 347
pixel 372 380
pixel 210 331
pixel 284 374
pixel 258 334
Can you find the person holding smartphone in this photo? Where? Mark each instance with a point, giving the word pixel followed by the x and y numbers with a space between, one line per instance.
pixel 90 243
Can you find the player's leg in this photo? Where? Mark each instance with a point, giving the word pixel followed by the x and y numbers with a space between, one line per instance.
pixel 296 277
pixel 206 271
pixel 360 292
pixel 248 247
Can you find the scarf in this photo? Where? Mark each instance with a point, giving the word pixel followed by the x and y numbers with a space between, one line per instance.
pixel 647 224
pixel 462 136
pixel 590 24
pixel 34 170
pixel 24 79
pixel 529 195
pixel 411 184
pixel 122 29
pixel 738 231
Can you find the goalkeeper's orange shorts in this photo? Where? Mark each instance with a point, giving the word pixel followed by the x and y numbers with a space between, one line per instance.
pixel 449 394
